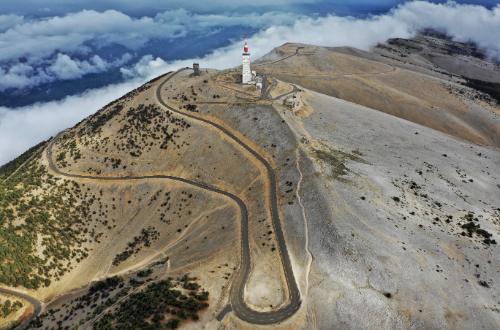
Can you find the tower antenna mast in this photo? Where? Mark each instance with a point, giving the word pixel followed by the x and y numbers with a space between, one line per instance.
pixel 246 73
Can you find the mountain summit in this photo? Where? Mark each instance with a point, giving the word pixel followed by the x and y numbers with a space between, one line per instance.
pixel 353 189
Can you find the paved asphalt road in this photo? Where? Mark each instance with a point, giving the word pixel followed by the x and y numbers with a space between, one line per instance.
pixel 238 304
pixel 37 305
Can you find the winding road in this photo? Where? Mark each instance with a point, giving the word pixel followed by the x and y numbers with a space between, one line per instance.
pixel 238 304
pixel 237 300
pixel 37 305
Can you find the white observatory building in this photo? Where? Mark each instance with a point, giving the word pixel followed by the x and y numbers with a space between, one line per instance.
pixel 246 73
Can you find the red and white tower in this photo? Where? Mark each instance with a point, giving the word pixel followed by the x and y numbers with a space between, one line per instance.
pixel 246 73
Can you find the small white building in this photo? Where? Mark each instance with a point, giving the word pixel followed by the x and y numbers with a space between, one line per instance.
pixel 246 73
pixel 258 80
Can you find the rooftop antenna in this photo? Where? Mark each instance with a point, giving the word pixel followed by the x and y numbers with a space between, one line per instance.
pixel 245 43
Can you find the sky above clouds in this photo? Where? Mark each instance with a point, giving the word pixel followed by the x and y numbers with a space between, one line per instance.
pixel 68 43
pixel 145 7
pixel 142 7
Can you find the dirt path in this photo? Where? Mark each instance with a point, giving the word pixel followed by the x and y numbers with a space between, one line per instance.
pixel 37 305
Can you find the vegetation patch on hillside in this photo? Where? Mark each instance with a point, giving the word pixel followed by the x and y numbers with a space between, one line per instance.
pixel 160 305
pixel 144 239
pixel 135 130
pixel 490 88
pixel 8 307
pixel 141 301
pixel 44 226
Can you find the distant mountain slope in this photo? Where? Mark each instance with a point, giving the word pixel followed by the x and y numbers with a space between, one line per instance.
pixel 398 79
pixel 434 50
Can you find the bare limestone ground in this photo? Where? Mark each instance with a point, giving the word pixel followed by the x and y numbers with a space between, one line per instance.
pixel 387 205
pixel 387 235
pixel 262 124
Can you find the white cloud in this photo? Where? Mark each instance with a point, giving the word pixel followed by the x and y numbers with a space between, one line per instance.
pixel 73 33
pixel 146 67
pixel 40 38
pixel 21 128
pixel 12 79
pixel 79 34
pixel 66 68
pixel 187 21
pixel 462 22
pixel 60 39
pixel 62 67
pixel 8 21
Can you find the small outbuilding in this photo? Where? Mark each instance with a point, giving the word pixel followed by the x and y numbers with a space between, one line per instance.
pixel 196 69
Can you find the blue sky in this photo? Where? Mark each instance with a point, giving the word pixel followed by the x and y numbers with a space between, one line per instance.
pixel 62 60
pixel 147 7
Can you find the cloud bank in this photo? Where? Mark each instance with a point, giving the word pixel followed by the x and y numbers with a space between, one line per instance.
pixel 69 42
pixel 22 128
pixel 82 31
pixel 8 21
pixel 462 22
pixel 62 67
